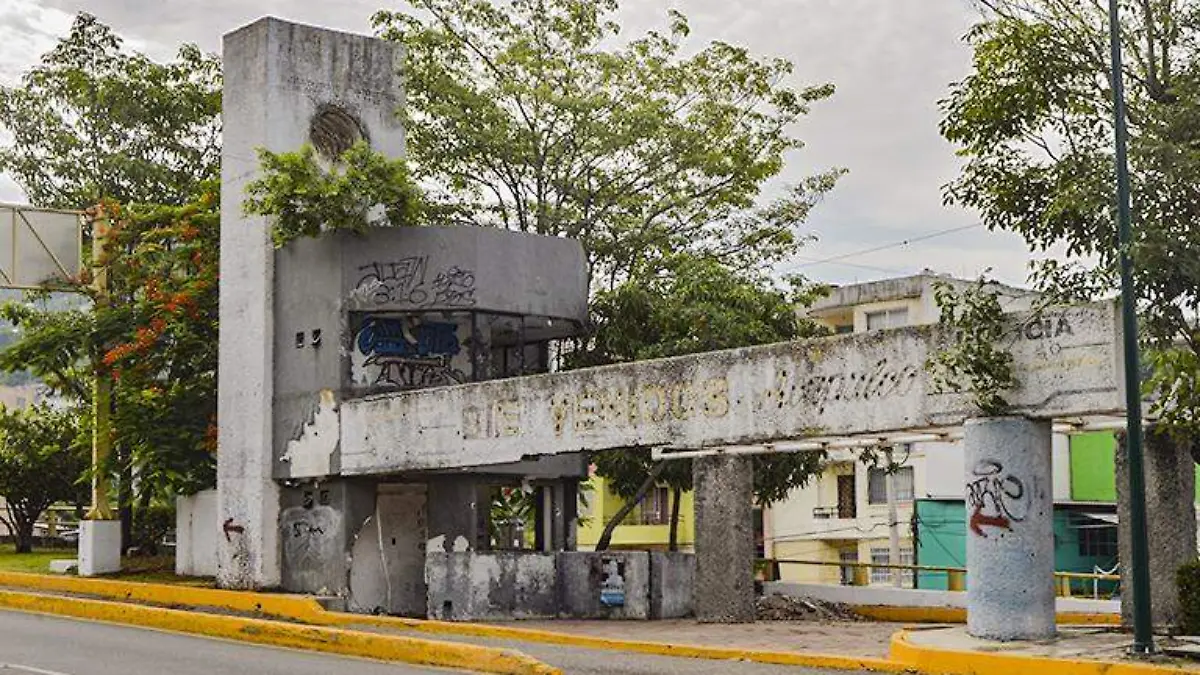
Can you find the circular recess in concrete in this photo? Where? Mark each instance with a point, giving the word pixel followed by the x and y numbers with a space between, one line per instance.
pixel 334 130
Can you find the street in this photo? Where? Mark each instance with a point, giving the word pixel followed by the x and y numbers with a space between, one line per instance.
pixel 34 644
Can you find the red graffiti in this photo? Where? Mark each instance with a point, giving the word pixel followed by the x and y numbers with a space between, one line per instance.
pixel 978 519
pixel 228 526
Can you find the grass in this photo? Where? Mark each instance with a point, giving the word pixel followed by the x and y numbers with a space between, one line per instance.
pixel 151 569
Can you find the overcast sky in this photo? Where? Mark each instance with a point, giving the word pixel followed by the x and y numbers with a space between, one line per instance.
pixel 891 60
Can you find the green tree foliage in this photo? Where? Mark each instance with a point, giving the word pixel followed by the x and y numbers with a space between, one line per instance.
pixel 304 198
pixel 1034 122
pixel 694 305
pixel 43 454
pixel 156 338
pixel 522 114
pixel 973 324
pixel 94 121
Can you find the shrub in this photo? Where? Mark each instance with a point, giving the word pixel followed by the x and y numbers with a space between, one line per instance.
pixel 1187 579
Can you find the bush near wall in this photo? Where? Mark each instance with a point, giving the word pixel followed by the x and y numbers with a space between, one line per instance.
pixel 1188 581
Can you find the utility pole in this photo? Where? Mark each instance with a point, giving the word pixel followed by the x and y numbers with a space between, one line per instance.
pixel 893 519
pixel 101 508
pixel 1143 638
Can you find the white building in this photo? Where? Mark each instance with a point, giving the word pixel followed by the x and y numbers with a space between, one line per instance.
pixel 842 514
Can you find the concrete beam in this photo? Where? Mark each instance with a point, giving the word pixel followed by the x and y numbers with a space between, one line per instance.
pixel 1066 361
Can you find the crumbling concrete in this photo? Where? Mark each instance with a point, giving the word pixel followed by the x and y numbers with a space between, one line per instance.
pixel 724 587
pixel 604 584
pixel 1170 522
pixel 1010 529
pixel 672 583
pixel 496 586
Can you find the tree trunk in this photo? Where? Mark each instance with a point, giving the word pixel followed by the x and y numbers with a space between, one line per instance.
pixel 606 536
pixel 673 542
pixel 125 498
pixel 23 532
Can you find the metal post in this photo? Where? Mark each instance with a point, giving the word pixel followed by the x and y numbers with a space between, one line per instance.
pixel 1143 638
pixel 101 508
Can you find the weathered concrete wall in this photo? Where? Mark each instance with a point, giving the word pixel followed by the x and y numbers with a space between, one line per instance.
pixel 387 554
pixel 851 384
pixel 604 585
pixel 316 525
pixel 1170 522
pixel 196 533
pixel 672 584
pixel 284 84
pixel 1010 529
pixel 472 586
pixel 724 587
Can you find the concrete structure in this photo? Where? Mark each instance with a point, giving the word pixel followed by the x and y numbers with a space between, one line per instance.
pixel 842 514
pixel 99 547
pixel 1010 541
pixel 320 323
pixel 1170 522
pixel 196 532
pixel 724 591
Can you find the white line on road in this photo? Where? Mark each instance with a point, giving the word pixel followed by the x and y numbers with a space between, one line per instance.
pixel 29 669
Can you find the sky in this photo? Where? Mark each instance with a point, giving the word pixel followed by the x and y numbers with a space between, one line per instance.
pixel 890 60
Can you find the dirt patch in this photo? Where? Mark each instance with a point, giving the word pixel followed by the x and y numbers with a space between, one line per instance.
pixel 788 608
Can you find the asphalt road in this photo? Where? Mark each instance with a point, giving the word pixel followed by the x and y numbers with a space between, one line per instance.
pixel 34 644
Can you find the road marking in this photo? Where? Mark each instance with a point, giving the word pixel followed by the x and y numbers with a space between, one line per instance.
pixel 29 669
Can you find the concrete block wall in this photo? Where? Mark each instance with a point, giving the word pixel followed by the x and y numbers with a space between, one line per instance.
pixel 196 532
pixel 504 585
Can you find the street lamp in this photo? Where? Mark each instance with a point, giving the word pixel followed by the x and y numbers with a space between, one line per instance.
pixel 1143 638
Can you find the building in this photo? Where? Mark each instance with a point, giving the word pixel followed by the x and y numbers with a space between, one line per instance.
pixel 842 514
pixel 646 528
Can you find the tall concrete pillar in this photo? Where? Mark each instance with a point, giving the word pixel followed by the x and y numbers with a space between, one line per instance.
pixel 1170 522
pixel 284 85
pixel 724 588
pixel 1010 528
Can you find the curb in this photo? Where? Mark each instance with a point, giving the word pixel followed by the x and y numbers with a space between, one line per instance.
pixel 936 661
pixel 959 615
pixel 281 634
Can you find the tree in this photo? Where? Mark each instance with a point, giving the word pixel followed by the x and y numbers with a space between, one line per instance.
pixel 520 116
pixel 42 456
pixel 695 304
pixel 156 339
pixel 1034 121
pixel 94 121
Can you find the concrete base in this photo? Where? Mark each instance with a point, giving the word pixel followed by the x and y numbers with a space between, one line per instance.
pixel 99 547
pixel 724 586
pixel 1170 523
pixel 1010 529
pixel 63 566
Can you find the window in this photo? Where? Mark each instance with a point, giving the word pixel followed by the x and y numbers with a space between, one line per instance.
pixel 883 575
pixel 877 485
pixel 1097 539
pixel 656 507
pixel 888 318
pixel 845 495
pixel 848 555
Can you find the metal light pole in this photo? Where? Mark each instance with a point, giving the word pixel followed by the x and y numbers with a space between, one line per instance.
pixel 1143 638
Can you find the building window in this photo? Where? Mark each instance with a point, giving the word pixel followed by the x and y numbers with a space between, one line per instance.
pixel 877 485
pixel 1097 539
pixel 848 555
pixel 888 318
pixel 883 575
pixel 656 507
pixel 845 496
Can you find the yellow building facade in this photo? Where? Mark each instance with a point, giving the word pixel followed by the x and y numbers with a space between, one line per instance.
pixel 647 527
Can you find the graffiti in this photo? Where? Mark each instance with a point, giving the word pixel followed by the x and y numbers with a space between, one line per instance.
pixel 310 537
pixel 591 411
pixel 407 353
pixel 303 529
pixel 229 527
pixel 883 380
pixel 996 499
pixel 406 282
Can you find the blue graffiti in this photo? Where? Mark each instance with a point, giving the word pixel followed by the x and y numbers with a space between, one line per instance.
pixel 383 337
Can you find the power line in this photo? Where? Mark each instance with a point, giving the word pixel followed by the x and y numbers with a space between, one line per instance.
pixel 885 247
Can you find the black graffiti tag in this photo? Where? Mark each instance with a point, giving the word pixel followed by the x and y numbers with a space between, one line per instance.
pixel 994 497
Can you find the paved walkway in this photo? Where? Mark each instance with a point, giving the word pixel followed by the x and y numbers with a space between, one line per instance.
pixel 1103 644
pixel 586 661
pixel 849 638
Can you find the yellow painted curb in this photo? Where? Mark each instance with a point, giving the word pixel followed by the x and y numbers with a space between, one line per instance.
pixel 295 607
pixel 959 615
pixel 933 661
pixel 281 634
pixel 810 660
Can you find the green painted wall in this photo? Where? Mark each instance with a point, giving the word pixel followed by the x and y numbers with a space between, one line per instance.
pixel 1093 473
pixel 942 542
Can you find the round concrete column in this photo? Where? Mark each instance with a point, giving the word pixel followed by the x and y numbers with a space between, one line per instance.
pixel 1010 529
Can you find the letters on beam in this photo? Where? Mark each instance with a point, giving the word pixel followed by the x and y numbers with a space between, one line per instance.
pixel 1066 360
